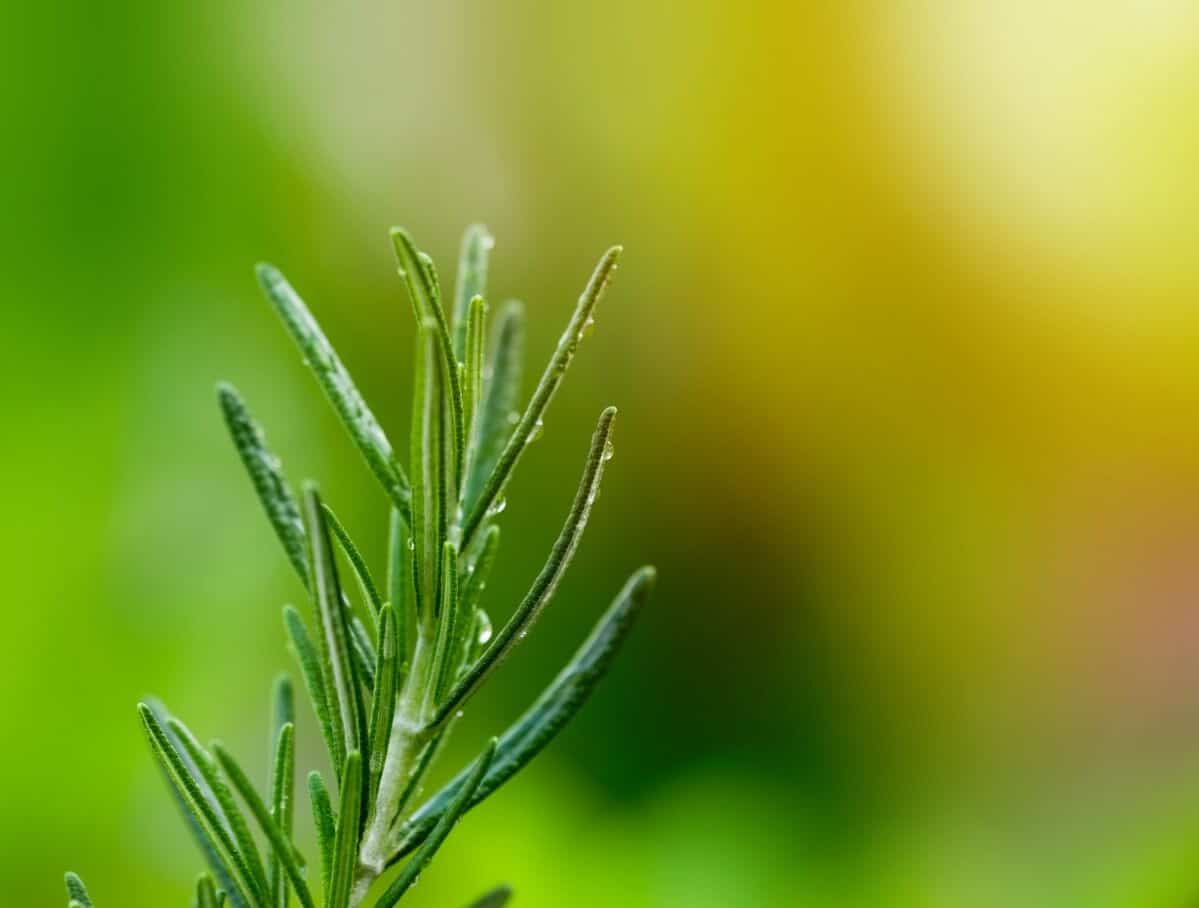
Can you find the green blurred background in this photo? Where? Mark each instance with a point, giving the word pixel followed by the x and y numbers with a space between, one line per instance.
pixel 906 348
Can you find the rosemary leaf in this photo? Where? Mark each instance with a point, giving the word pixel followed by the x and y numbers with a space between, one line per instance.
pixel 548 715
pixel 326 825
pixel 421 279
pixel 349 822
pixel 472 383
pixel 341 682
pixel 209 825
pixel 382 702
pixel 477 244
pixel 216 863
pixel 310 667
pixel 267 476
pixel 568 344
pixel 77 892
pixel 445 823
pixel 363 652
pixel 497 416
pixel 543 587
pixel 207 767
pixel 206 896
pixel 319 354
pixel 288 855
pixel 283 775
pixel 399 583
pixel 449 629
pixel 370 592
pixel 428 472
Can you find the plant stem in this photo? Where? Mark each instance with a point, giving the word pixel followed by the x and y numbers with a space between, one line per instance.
pixel 408 736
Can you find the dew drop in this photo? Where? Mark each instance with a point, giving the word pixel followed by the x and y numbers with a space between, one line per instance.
pixel 609 451
pixel 588 327
pixel 538 431
pixel 411 544
pixel 484 623
pixel 497 506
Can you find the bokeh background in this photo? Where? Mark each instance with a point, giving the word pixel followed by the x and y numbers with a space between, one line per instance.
pixel 906 347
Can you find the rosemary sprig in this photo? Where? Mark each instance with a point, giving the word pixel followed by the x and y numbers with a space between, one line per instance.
pixel 386 692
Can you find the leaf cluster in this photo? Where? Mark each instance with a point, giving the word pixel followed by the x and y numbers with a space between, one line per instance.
pixel 389 666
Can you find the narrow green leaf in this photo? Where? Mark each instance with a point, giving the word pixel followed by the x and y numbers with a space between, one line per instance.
pixel 216 784
pixel 421 279
pixel 220 868
pixel 496 898
pixel 326 825
pixel 498 414
pixel 349 823
pixel 76 891
pixel 314 681
pixel 363 651
pixel 449 631
pixel 319 354
pixel 428 471
pixel 399 586
pixel 548 715
pixel 340 678
pixel 267 476
pixel 210 824
pixel 383 701
pixel 370 592
pixel 477 244
pixel 445 824
pixel 206 896
pixel 550 380
pixel 283 775
pixel 543 587
pixel 472 382
pixel 288 855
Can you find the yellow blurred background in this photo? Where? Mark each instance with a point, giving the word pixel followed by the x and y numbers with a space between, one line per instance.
pixel 906 348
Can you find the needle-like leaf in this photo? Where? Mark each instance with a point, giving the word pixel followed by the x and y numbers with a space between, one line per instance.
pixel 211 826
pixel 428 470
pixel 370 592
pixel 498 414
pixel 496 898
pixel 283 774
pixel 568 344
pixel 309 659
pixel 77 892
pixel 412 870
pixel 363 651
pixel 208 847
pixel 449 629
pixel 349 822
pixel 206 896
pixel 359 421
pixel 472 382
pixel 421 279
pixel 399 583
pixel 207 767
pixel 543 587
pixel 340 678
pixel 326 825
pixel 548 715
pixel 477 244
pixel 288 855
pixel 267 476
pixel 383 700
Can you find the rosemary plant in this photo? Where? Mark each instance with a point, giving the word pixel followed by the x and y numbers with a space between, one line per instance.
pixel 389 675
